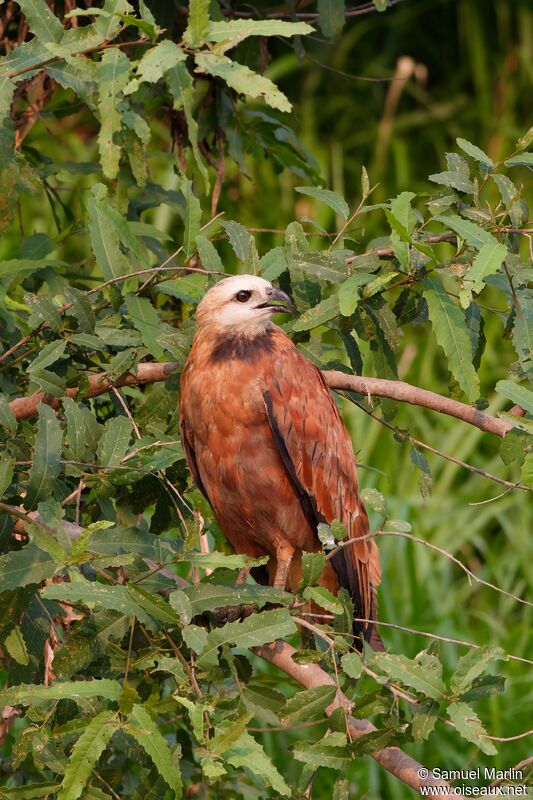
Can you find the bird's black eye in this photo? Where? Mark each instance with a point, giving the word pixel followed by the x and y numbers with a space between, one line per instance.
pixel 243 296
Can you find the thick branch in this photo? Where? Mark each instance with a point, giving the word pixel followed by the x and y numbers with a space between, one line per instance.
pixel 24 407
pixel 393 759
pixel 407 393
pixel 151 372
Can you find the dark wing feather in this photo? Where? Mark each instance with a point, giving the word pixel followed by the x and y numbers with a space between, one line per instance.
pixel 187 441
pixel 317 452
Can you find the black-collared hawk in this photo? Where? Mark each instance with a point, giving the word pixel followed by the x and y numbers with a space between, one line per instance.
pixel 266 444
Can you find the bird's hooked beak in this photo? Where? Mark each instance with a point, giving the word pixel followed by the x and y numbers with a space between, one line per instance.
pixel 277 301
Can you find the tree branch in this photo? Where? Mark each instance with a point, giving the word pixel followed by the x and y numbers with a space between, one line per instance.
pixel 414 395
pixel 393 759
pixel 151 372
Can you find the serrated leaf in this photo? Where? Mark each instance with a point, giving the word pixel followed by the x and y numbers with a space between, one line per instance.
pixel 44 310
pixel 41 21
pixel 48 355
pixel 239 238
pixel 34 791
pixel 242 80
pixel 16 646
pixel 113 598
pixel 181 85
pixel 23 567
pixel 487 262
pixel 255 630
pixel 76 431
pixel 145 731
pixel 242 28
pixel 49 382
pixel 453 179
pixel 517 394
pixel 424 720
pixel 193 214
pixel 207 596
pixel 469 231
pixel 352 664
pixel 318 315
pixel 8 421
pixel 472 665
pixel 113 75
pixel 523 160
pixel 198 23
pixel 7 467
pixel 307 704
pixel 313 565
pixel 424 676
pixel 263 701
pixel 322 755
pixel 195 637
pixel 145 319
pixel 331 17
pixel 247 753
pixel 331 199
pixel 348 295
pixel 452 335
pixel 474 151
pixel 114 442
pixel 28 694
pixel 107 229
pixel 273 264
pixel 323 598
pixel 470 727
pixel 209 255
pixel 216 560
pixel 46 457
pixel 86 753
pixel 155 63
pixel 81 309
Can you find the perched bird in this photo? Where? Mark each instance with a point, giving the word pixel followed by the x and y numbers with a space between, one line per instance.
pixel 266 444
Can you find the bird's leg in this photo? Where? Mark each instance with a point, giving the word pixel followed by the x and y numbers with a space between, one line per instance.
pixel 284 555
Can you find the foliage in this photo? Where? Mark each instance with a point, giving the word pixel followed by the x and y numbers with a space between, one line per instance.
pixel 148 692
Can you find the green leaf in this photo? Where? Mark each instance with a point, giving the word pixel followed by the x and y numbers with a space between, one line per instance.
pixel 471 233
pixel 375 500
pixel 523 160
pixel 49 382
pixel 23 567
pixel 246 753
pixel 487 262
pixel 41 21
pixel 76 430
pixel 381 5
pixel 86 753
pixel 526 475
pixel 153 604
pixel 198 23
pixel 525 140
pixel 452 335
pixel 239 238
pixel 424 720
pixel 323 598
pixel 81 309
pixel 8 421
pixel 273 263
pixel 46 457
pixel 323 755
pixel 470 727
pixel 253 631
pixel 109 232
pixel 207 596
pixel 331 17
pixel 242 80
pixel 114 443
pixel 7 467
pixel 29 694
pixel 48 355
pixel 425 481
pixel 113 74
pixel 423 674
pixel 44 310
pixel 517 394
pixel 474 151
pixel 193 214
pixel 313 565
pixel 243 28
pixel 472 665
pixel 331 199
pixel 348 295
pixel 318 315
pixel 352 664
pixel 34 791
pixel 307 704
pixel 145 319
pixel 115 598
pixel 155 63
pixel 195 637
pixel 16 646
pixel 181 86
pixel 216 560
pixel 142 727
pixel 209 255
pixel 229 735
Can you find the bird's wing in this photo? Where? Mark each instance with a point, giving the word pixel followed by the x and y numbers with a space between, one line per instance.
pixel 317 452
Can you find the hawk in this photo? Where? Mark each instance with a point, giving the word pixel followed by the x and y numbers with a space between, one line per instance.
pixel 267 447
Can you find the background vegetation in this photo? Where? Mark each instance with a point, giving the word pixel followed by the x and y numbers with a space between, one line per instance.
pixel 130 141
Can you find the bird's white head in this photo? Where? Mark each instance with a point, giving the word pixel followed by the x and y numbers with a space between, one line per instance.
pixel 241 304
